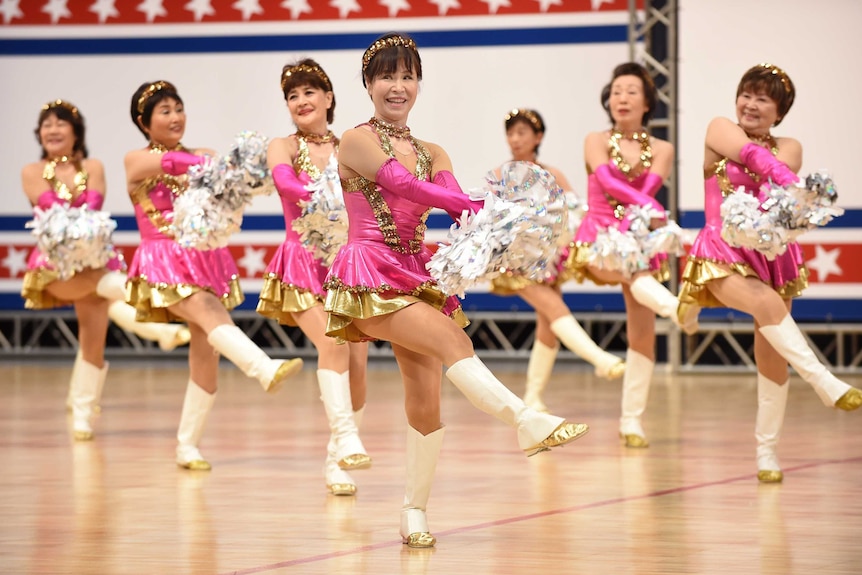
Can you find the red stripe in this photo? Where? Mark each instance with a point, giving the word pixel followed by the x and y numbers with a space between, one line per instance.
pixel 271 10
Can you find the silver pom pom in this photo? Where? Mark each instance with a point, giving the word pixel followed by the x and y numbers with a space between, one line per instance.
pixel 768 226
pixel 322 227
pixel 518 230
pixel 211 209
pixel 73 239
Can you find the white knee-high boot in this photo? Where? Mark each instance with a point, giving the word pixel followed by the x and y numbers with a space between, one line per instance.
pixel 85 388
pixel 787 339
pixel 338 481
pixel 539 370
pixel 423 451
pixel 636 383
pixel 231 342
pixel 649 292
pixel 112 286
pixel 335 393
pixel 75 366
pixel 771 404
pixel 168 335
pixel 537 432
pixel 573 336
pixel 196 408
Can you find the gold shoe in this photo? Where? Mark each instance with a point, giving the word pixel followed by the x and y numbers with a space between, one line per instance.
pixel 287 369
pixel 617 370
pixel 770 476
pixel 563 434
pixel 686 317
pixel 342 489
pixel 196 465
pixel 634 440
pixel 850 400
pixel 355 461
pixel 421 540
pixel 181 337
pixel 80 435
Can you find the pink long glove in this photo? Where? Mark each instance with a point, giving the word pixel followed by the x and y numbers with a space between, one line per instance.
pixel 178 163
pixel 623 192
pixel 290 186
pixel 398 180
pixel 652 184
pixel 760 160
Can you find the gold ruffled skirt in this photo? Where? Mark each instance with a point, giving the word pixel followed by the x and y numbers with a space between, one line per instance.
pixel 345 304
pixel 279 300
pixel 33 290
pixel 576 267
pixel 700 271
pixel 152 301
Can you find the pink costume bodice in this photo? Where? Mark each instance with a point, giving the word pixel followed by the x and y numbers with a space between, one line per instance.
pixel 727 177
pixel 93 198
pixel 154 207
pixel 385 219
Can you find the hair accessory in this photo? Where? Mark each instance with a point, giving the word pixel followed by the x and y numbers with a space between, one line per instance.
pixel 782 75
pixel 316 70
pixel 528 115
pixel 62 104
pixel 390 42
pixel 151 90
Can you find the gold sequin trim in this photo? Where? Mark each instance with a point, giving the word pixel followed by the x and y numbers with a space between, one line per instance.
pixel 700 271
pixel 49 174
pixel 141 196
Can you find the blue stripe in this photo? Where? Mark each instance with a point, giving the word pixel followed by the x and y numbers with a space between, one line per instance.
pixel 852 218
pixel 310 42
pixel 814 310
pixel 275 222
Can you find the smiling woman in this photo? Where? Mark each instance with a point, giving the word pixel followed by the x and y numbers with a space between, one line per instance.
pixel 169 282
pixel 379 287
pixel 67 179
pixel 293 290
pixel 744 154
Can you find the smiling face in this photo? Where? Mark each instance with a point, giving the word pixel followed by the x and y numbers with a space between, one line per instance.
pixel 167 123
pixel 756 112
pixel 394 93
pixel 57 137
pixel 308 108
pixel 627 103
pixel 523 140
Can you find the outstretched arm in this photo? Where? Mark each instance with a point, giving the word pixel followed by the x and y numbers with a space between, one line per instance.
pixel 727 140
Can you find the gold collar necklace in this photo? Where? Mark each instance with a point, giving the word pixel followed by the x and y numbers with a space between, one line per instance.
pixel 390 129
pixel 317 138
pixel 157 148
pixel 49 174
pixel 767 139
pixel 617 156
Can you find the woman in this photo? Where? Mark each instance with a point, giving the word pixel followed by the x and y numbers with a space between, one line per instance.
pixel 525 130
pixel 745 154
pixel 626 168
pixel 293 282
pixel 378 287
pixel 168 282
pixel 67 177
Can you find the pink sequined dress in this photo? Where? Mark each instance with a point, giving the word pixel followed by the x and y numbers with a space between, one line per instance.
pixel 40 272
pixel 381 268
pixel 711 258
pixel 293 280
pixel 606 211
pixel 162 272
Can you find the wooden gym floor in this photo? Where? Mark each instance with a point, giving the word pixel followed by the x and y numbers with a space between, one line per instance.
pixel 689 504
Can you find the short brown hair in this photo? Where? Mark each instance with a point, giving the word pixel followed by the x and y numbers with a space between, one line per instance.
pixel 650 98
pixel 770 80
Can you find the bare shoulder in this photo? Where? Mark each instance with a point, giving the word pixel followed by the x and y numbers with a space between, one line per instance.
pixel 135 155
pixel 594 139
pixel 93 166
pixel 282 149
pixel 32 171
pixel 361 133
pixel 661 147
pixel 205 152
pixel 788 143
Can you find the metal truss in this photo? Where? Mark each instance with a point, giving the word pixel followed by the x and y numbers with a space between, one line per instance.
pixel 719 346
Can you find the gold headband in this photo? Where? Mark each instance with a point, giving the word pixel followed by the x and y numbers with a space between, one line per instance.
pixel 151 90
pixel 390 42
pixel 782 75
pixel 528 115
pixel 62 104
pixel 316 70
